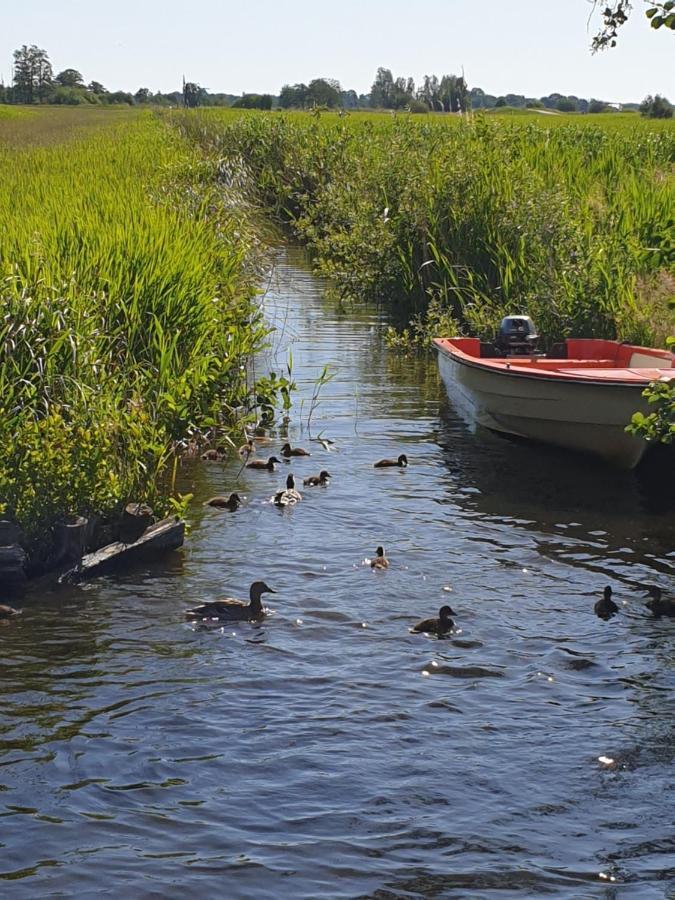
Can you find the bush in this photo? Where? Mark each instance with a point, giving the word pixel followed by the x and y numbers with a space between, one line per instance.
pixel 656 108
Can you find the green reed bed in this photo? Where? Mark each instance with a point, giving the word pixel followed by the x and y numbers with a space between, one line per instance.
pixel 473 219
pixel 126 316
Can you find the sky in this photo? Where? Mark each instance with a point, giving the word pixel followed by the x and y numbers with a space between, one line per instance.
pixel 530 47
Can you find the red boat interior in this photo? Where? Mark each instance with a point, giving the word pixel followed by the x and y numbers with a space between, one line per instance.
pixel 585 358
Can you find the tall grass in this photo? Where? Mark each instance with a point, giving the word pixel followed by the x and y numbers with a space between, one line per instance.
pixel 572 223
pixel 125 316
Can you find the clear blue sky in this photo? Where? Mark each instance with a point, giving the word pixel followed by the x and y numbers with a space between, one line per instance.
pixel 530 47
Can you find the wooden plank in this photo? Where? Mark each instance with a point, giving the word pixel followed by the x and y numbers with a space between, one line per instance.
pixel 161 537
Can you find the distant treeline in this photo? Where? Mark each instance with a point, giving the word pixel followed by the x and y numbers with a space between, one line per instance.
pixel 33 81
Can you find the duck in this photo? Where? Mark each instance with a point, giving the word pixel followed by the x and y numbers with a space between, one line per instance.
pixel 438 626
pixel 233 502
pixel 658 604
pixel 606 607
pixel 401 462
pixel 215 455
pixel 288 495
pixel 247 450
pixel 261 464
pixel 288 451
pixel 314 480
pixel 8 612
pixel 229 610
pixel 379 561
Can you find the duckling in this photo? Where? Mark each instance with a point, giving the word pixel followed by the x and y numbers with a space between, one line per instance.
pixel 215 455
pixel 233 502
pixel 314 480
pixel 247 450
pixel 380 561
pixel 229 609
pixel 260 464
pixel 8 612
pixel 438 626
pixel 288 451
pixel 401 462
pixel 606 607
pixel 659 605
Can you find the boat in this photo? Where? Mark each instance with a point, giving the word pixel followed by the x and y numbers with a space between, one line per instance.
pixel 581 396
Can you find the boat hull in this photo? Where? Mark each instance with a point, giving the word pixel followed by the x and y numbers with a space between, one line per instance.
pixel 585 417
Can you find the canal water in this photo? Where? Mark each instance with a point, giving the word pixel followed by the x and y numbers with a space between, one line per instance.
pixel 328 752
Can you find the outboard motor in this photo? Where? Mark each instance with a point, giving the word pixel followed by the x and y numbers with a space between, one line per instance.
pixel 517 336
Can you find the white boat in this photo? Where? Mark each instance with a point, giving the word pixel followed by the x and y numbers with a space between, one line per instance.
pixel 581 400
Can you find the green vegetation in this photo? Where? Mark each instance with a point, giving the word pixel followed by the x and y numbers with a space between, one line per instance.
pixel 127 314
pixel 572 224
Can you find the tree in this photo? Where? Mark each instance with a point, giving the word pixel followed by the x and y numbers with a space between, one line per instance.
pixel 382 91
pixel 596 106
pixel 656 108
pixel 615 14
pixel 253 101
pixel 193 94
pixel 33 74
pixel 501 101
pixel 143 95
pixel 69 78
pixel 324 92
pixel 96 87
pixel 293 96
pixel 566 104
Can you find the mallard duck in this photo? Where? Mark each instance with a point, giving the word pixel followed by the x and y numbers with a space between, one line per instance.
pixel 233 502
pixel 380 561
pixel 441 625
pixel 288 451
pixel 658 604
pixel 261 464
pixel 229 609
pixel 8 612
pixel 215 454
pixel 401 462
pixel 247 450
pixel 314 480
pixel 606 607
pixel 289 495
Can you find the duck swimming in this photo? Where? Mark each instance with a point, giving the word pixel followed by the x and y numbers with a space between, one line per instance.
pixel 439 626
pixel 247 450
pixel 401 462
pixel 288 451
pixel 230 610
pixel 606 607
pixel 314 480
pixel 215 455
pixel 380 561
pixel 233 502
pixel 260 464
pixel 658 604
pixel 289 495
pixel 8 612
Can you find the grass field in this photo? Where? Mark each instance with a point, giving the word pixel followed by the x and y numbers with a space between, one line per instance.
pixel 567 217
pixel 126 310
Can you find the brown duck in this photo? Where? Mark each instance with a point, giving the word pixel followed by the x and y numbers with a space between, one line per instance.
pixel 379 561
pixel 8 612
pixel 261 464
pixel 229 610
pixel 233 502
pixel 606 607
pixel 289 451
pixel 660 605
pixel 247 450
pixel 215 454
pixel 314 480
pixel 439 626
pixel 401 462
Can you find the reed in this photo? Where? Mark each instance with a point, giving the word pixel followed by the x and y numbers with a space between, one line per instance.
pixel 127 315
pixel 569 220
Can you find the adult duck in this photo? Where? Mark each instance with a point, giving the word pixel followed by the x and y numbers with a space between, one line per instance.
pixel 315 480
pixel 401 463
pixel 8 612
pixel 289 495
pixel 658 604
pixel 379 561
pixel 442 625
pixel 289 451
pixel 262 464
pixel 606 607
pixel 231 503
pixel 230 610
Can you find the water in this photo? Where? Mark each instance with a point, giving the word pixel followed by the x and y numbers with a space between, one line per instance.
pixel 328 752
